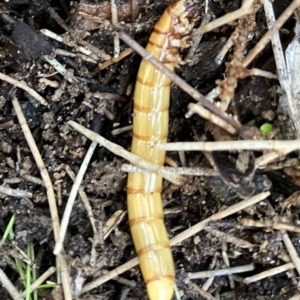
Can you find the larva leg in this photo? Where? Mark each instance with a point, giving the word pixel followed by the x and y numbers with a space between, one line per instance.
pixel 180 43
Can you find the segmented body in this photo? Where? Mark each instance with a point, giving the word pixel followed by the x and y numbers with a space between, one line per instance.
pixel 150 124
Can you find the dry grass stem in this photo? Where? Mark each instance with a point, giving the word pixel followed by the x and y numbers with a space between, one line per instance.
pixel 62 40
pixel 206 114
pixel 289 245
pixel 258 72
pixel 9 286
pixel 14 193
pixel 40 280
pixel 177 80
pixel 268 36
pixel 276 226
pixel 221 272
pixel 201 292
pixel 71 54
pixel 282 70
pixel 246 9
pixel 196 40
pixel 67 213
pixel 229 145
pixel 296 297
pixel 85 200
pixel 98 52
pixel 220 57
pixel 263 160
pixel 50 194
pixel 114 60
pixel 178 170
pixel 227 264
pixel 271 272
pixel 22 85
pixel 114 20
pixel 229 238
pixel 179 238
pixel 121 130
pixel 134 159
pixel 61 70
pixel 291 250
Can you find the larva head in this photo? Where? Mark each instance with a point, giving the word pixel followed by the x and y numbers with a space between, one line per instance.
pixel 183 14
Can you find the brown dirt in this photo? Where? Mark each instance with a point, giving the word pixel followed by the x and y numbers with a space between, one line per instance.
pixel 22 48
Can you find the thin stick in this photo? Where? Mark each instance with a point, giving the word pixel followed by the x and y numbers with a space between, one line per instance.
pixel 14 193
pixel 9 286
pixel 40 280
pixel 221 272
pixel 49 190
pixel 197 39
pixel 71 54
pixel 114 20
pixel 289 246
pixel 100 53
pixel 220 215
pixel 245 222
pixel 282 70
pixel 72 197
pixel 268 36
pixel 22 85
pixel 229 238
pixel 121 130
pixel 206 295
pixel 114 60
pixel 177 80
pixel 85 201
pixel 63 40
pixel 230 145
pixel 206 114
pixel 246 9
pixel 180 171
pixel 134 159
pixel 291 250
pixel 269 273
pixel 179 238
pixel 295 297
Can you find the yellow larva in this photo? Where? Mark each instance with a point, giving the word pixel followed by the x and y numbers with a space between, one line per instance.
pixel 150 124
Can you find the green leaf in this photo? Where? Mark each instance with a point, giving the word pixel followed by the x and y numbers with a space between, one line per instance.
pixel 266 128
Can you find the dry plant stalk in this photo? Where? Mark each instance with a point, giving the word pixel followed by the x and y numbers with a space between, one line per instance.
pixel 221 272
pixel 180 237
pixel 235 69
pixel 50 194
pixel 271 272
pixel 22 85
pixel 67 213
pixel 178 81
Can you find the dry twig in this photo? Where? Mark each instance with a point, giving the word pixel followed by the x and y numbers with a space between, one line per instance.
pixel 22 85
pixel 14 193
pixel 177 80
pixel 286 146
pixel 271 272
pixel 72 197
pixel 50 193
pixel 9 286
pixel 246 9
pixel 221 272
pixel 134 159
pixel 179 238
pixel 268 36
pixel 40 280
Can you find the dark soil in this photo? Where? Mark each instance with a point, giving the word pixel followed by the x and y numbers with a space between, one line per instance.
pixel 102 101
